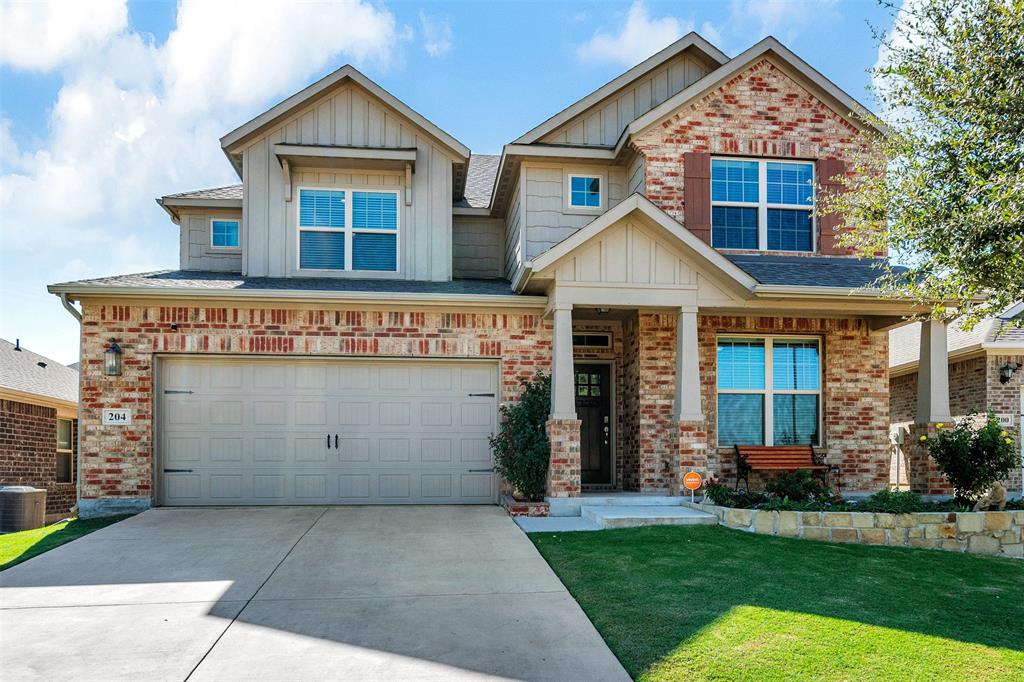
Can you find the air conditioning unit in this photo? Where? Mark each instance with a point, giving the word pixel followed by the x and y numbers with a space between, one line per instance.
pixel 22 507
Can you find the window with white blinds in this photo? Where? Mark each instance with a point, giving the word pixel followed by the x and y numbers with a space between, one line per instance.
pixel 346 229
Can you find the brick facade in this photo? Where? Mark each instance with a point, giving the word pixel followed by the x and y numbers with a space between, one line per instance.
pixel 117 463
pixel 564 467
pixel 28 452
pixel 855 393
pixel 973 387
pixel 761 112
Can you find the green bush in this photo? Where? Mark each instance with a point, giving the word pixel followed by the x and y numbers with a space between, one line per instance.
pixel 797 486
pixel 972 459
pixel 891 502
pixel 521 449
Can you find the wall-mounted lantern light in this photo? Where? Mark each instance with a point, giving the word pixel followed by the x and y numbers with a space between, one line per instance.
pixel 112 360
pixel 1006 372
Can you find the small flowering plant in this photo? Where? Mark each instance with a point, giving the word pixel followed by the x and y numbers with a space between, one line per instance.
pixel 972 458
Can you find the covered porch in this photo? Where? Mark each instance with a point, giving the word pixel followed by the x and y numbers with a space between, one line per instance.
pixel 642 311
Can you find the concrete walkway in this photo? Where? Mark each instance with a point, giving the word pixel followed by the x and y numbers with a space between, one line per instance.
pixel 355 593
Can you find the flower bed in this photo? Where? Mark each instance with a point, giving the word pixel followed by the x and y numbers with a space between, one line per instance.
pixel 994 532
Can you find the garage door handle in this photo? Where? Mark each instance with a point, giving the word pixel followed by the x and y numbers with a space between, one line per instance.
pixel 170 391
pixel 177 471
pixel 480 471
pixel 335 441
pixel 328 441
pixel 481 395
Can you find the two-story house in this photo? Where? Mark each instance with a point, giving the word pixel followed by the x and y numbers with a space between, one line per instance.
pixel 346 322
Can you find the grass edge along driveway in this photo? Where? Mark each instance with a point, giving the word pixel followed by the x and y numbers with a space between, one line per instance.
pixel 709 603
pixel 23 545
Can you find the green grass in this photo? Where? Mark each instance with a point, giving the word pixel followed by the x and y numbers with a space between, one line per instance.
pixel 708 603
pixel 18 547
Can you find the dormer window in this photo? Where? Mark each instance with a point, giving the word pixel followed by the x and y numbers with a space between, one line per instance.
pixel 224 234
pixel 348 230
pixel 762 205
pixel 584 191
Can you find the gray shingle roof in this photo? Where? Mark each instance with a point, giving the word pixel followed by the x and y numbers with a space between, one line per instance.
pixel 226 281
pixel 823 271
pixel 20 370
pixel 905 341
pixel 226 192
pixel 479 181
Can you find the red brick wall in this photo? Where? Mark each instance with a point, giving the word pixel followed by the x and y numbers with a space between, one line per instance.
pixel 855 393
pixel 28 452
pixel 761 112
pixel 117 463
pixel 973 387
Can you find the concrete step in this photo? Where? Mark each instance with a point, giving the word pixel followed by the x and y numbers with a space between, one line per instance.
pixel 570 506
pixel 619 516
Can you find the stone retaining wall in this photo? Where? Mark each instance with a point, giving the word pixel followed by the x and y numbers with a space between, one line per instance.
pixel 995 533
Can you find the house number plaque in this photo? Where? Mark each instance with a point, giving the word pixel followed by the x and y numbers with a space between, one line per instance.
pixel 117 417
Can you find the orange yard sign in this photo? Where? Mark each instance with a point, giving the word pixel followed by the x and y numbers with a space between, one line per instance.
pixel 692 480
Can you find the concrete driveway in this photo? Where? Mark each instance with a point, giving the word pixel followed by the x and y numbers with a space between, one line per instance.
pixel 298 593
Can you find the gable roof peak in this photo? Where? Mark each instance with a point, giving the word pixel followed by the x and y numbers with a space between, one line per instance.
pixel 690 40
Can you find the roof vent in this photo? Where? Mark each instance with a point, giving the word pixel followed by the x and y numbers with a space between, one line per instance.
pixel 42 364
pixel 17 344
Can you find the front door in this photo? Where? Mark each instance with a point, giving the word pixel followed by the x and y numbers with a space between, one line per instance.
pixel 593 407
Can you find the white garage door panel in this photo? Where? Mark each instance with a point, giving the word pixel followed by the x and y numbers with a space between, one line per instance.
pixel 326 432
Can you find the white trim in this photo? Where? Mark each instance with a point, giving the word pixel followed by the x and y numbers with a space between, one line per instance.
pixel 238 227
pixel 769 391
pixel 762 205
pixel 348 230
pixel 602 193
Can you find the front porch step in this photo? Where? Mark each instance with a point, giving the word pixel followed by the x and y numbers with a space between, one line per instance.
pixel 570 506
pixel 619 516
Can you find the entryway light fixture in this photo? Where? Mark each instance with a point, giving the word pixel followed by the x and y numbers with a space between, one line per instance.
pixel 112 360
pixel 1006 372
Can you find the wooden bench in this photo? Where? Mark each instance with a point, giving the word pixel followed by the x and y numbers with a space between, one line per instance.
pixel 780 458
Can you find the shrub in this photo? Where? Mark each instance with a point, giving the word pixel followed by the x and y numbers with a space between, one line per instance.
pixel 521 449
pixel 891 502
pixel 972 459
pixel 797 486
pixel 724 496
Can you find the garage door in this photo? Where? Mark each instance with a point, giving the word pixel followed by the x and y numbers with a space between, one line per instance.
pixel 325 432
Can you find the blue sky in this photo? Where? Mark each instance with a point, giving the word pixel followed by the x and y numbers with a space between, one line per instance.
pixel 105 106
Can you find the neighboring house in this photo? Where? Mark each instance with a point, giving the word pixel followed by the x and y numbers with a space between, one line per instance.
pixel 986 373
pixel 38 425
pixel 346 322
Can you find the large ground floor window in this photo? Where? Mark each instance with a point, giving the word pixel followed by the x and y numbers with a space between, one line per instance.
pixel 769 390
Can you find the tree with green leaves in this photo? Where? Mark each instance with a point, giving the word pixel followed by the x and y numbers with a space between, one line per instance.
pixel 942 189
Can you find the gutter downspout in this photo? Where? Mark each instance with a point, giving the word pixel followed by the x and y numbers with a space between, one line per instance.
pixel 78 421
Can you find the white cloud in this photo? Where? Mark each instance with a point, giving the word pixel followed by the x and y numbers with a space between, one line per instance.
pixel 40 36
pixel 640 37
pixel 783 19
pixel 437 35
pixel 134 120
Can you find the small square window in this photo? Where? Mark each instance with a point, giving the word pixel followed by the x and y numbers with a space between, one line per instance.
pixel 224 234
pixel 584 191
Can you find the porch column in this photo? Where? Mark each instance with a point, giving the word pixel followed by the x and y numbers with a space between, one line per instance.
pixel 688 414
pixel 563 428
pixel 932 407
pixel 933 374
pixel 688 407
pixel 563 399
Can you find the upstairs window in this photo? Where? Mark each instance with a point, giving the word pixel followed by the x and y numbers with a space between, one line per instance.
pixel 349 230
pixel 769 391
pixel 224 234
pixel 762 205
pixel 584 191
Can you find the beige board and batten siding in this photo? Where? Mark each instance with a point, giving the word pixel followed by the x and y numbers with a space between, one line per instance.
pixel 514 233
pixel 348 116
pixel 197 251
pixel 636 181
pixel 602 123
pixel 477 246
pixel 549 220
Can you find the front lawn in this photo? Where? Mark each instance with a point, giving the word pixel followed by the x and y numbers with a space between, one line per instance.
pixel 709 603
pixel 18 547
